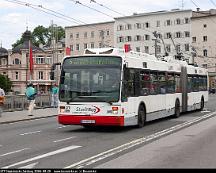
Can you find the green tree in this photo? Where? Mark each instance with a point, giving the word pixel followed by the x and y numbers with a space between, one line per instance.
pixel 43 35
pixel 5 83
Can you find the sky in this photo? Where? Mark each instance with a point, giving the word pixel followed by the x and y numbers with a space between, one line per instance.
pixel 16 17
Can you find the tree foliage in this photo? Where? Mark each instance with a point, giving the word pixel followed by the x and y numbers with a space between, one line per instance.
pixel 5 83
pixel 43 35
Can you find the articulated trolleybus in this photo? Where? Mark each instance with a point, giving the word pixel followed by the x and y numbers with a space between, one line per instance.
pixel 111 87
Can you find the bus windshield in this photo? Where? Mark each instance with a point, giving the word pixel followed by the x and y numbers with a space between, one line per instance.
pixel 90 79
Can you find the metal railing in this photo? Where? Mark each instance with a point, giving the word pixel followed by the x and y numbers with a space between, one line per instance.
pixel 20 102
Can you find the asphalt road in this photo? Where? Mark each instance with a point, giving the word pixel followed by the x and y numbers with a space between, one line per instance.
pixel 44 143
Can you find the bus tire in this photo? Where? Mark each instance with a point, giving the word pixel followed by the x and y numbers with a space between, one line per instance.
pixel 177 109
pixel 202 104
pixel 141 116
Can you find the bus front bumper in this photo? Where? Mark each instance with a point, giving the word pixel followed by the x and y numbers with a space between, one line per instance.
pixel 91 120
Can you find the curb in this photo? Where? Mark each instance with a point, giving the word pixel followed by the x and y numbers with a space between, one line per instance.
pixel 26 119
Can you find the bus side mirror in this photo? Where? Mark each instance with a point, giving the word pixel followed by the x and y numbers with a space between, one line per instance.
pixel 52 75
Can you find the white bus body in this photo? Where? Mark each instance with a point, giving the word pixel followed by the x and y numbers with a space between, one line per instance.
pixel 149 89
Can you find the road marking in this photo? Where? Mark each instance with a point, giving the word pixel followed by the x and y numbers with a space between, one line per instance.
pixel 17 151
pixel 44 155
pixel 60 140
pixel 113 151
pixel 60 127
pixel 29 133
pixel 30 166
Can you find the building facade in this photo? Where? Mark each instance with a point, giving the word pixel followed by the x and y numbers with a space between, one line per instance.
pixel 96 35
pixel 16 65
pixel 204 41
pixel 137 31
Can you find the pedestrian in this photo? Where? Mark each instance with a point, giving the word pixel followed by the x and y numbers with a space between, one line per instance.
pixel 31 94
pixel 2 100
pixel 54 92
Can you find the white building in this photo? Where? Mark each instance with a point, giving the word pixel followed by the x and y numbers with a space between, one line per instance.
pixel 204 41
pixel 137 30
pixel 95 35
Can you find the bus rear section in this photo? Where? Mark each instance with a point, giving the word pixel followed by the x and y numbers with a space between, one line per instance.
pixel 95 114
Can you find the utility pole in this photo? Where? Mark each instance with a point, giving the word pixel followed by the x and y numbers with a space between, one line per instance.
pixel 156 41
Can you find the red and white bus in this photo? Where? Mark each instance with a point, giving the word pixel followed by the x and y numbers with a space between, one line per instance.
pixel 111 87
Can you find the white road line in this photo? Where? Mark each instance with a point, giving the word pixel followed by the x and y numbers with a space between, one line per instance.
pixel 29 133
pixel 30 166
pixel 60 140
pixel 136 142
pixel 43 156
pixel 60 127
pixel 17 151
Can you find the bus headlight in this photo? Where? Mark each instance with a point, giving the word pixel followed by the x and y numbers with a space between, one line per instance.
pixel 62 109
pixel 115 110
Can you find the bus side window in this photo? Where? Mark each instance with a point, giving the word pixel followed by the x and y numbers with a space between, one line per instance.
pixel 144 83
pixel 128 89
pixel 162 83
pixel 177 83
pixel 170 83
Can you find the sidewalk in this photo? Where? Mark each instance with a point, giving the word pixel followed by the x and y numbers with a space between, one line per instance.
pixel 10 117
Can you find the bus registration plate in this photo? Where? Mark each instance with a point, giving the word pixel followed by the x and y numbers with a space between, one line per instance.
pixel 88 121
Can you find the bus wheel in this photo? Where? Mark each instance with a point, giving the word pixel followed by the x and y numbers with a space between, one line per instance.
pixel 202 104
pixel 141 117
pixel 177 109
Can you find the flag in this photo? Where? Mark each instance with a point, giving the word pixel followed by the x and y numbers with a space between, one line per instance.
pixel 30 58
pixel 68 51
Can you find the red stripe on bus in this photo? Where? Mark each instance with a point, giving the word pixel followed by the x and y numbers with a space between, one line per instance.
pixel 99 120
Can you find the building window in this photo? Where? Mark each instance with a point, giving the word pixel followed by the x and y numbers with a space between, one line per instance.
pixel 158 49
pixel 120 28
pixel 168 35
pixel 205 25
pixel 128 27
pixel 205 38
pixel 92 45
pixel 71 36
pixel 40 75
pixel 138 38
pixel 194 39
pixel 158 24
pixel 187 34
pixel 205 53
pixel 71 47
pixel 128 38
pixel 178 48
pixel 146 49
pixel 48 60
pixel 186 20
pixel 100 45
pixel 120 39
pixel 178 21
pixel 108 33
pixel 168 22
pixel 17 75
pixel 77 47
pixel 178 34
pixel 147 37
pixel 137 49
pixel 138 25
pixel 187 47
pixel 147 25
pixel 17 61
pixel 92 34
pixel 85 34
pixel 77 35
pixel 40 60
pixel 205 66
pixel 168 48
pixel 85 46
